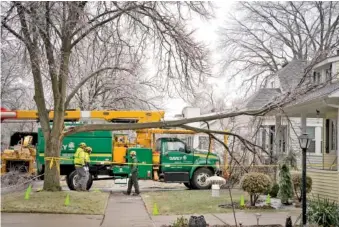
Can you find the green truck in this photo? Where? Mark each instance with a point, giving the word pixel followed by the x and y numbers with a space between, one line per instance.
pixel 178 162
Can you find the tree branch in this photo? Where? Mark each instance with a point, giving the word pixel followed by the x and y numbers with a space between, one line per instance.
pixel 84 80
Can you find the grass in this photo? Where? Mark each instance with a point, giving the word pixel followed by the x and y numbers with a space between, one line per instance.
pixel 53 202
pixel 190 201
pixel 195 202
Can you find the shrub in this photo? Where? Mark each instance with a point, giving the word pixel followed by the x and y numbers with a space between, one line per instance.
pixel 274 191
pixel 285 185
pixel 323 212
pixel 297 185
pixel 255 184
pixel 180 222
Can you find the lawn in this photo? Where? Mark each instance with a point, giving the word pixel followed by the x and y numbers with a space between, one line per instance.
pixel 190 201
pixel 54 202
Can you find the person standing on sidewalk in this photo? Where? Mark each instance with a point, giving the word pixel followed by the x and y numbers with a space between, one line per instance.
pixel 79 164
pixel 133 176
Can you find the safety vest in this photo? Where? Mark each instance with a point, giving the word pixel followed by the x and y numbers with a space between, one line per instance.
pixel 79 157
pixel 87 157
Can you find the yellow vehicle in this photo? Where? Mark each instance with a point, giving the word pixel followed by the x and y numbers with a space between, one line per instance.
pixel 21 155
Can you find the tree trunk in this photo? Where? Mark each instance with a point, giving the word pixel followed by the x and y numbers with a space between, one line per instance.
pixel 53 149
pixel 252 198
pixel 52 174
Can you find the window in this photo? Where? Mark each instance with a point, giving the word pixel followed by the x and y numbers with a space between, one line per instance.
pixel 311 134
pixel 190 141
pixel 203 142
pixel 316 77
pixel 175 146
pixel 329 74
pixel 284 138
pixel 333 135
pixel 158 145
pixel 263 138
pixel 327 136
pixel 272 84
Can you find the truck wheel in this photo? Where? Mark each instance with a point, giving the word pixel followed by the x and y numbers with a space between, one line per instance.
pixel 200 176
pixel 72 180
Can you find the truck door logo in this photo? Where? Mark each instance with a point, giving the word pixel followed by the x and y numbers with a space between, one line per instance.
pixel 184 157
pixel 70 146
pixel 175 158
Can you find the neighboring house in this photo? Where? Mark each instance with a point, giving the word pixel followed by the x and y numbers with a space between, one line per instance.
pixel 241 125
pixel 316 112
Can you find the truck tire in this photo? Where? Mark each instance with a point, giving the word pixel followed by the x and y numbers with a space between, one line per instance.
pixel 71 180
pixel 199 178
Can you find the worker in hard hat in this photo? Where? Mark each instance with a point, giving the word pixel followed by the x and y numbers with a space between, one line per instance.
pixel 133 176
pixel 88 151
pixel 79 164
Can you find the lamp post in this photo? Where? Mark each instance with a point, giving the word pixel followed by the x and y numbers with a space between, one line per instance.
pixel 304 142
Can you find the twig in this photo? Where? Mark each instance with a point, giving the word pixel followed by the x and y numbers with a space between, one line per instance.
pixel 235 218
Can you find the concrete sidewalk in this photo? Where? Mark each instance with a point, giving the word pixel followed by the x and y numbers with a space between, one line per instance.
pixel 126 211
pixel 49 220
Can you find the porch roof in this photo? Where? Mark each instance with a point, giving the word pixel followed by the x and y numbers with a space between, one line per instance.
pixel 315 104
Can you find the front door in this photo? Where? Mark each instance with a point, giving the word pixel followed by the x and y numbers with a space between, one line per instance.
pixel 175 157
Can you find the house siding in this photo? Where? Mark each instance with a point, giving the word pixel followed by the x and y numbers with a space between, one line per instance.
pixel 325 184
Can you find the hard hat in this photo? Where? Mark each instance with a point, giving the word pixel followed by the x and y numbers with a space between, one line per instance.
pixel 82 145
pixel 133 153
pixel 89 149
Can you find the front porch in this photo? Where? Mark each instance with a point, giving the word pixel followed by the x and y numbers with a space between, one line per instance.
pixel 321 167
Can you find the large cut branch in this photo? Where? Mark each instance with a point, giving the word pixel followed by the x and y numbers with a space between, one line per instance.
pixel 164 124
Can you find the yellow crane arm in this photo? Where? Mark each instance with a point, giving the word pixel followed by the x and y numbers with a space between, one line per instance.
pixel 133 116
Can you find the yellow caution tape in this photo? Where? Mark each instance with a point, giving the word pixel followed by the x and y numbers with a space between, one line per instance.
pixel 57 159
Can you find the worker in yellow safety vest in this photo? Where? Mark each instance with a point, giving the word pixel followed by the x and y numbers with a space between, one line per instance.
pixel 79 163
pixel 88 151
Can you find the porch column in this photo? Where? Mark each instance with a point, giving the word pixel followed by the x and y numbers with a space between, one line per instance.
pixel 278 130
pixel 303 123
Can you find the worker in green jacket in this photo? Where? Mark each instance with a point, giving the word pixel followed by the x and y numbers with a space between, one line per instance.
pixel 133 176
pixel 79 164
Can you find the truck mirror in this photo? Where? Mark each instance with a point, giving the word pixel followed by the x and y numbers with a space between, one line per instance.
pixel 188 150
pixel 181 149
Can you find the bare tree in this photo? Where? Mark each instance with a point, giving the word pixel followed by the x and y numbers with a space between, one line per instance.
pixel 261 37
pixel 120 82
pixel 52 31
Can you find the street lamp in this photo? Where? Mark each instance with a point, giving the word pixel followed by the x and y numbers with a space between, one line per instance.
pixel 304 142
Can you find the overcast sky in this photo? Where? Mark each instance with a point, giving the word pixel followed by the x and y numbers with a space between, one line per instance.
pixel 207 32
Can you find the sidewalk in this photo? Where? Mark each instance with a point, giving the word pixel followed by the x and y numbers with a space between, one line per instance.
pixel 126 211
pixel 50 220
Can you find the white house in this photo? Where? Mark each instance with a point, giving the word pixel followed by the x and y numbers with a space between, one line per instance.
pixel 315 112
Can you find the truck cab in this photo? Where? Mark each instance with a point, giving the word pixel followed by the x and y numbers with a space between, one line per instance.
pixel 183 164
